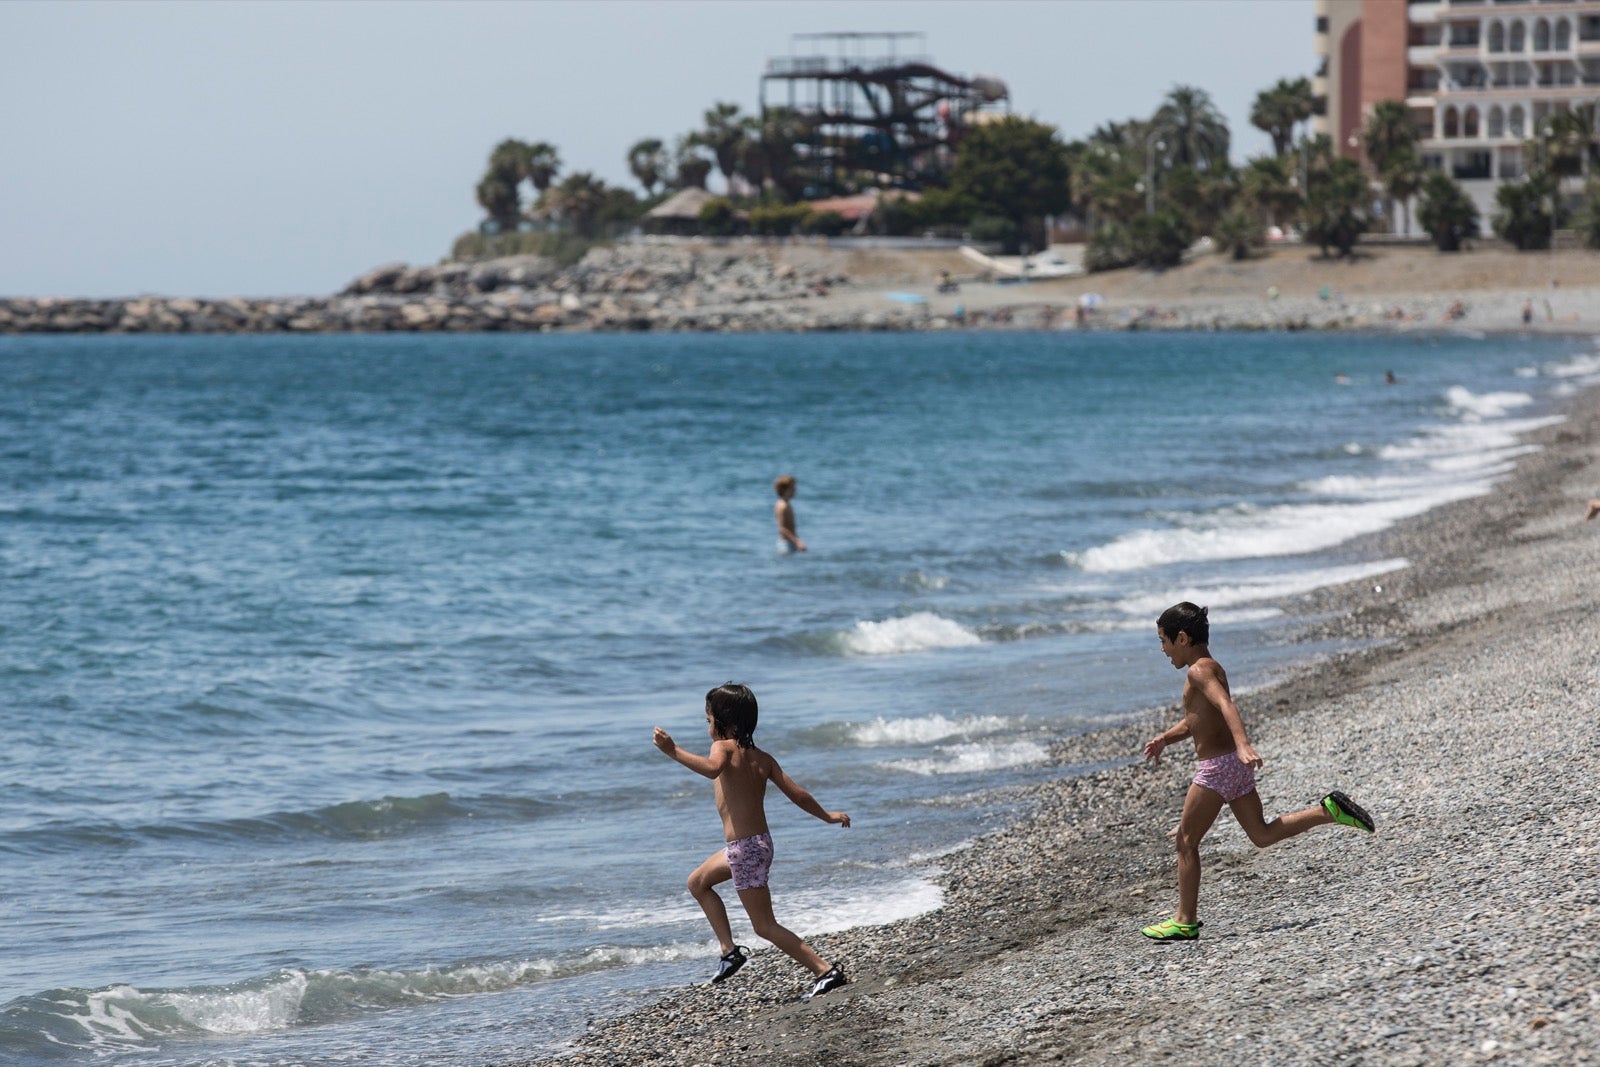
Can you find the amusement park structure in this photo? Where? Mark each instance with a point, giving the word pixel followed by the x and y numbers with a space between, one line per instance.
pixel 870 115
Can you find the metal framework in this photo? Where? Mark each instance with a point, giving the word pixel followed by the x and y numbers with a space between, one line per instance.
pixel 872 115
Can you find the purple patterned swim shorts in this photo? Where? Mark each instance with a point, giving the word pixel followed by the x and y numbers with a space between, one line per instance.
pixel 750 858
pixel 1225 776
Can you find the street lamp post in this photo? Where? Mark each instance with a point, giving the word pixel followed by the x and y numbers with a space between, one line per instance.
pixel 1150 176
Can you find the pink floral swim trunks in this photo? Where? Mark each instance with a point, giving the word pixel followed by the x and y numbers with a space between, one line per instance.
pixel 1226 776
pixel 750 858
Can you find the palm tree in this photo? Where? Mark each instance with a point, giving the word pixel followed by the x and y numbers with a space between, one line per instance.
pixel 544 163
pixel 776 135
pixel 691 166
pixel 1402 179
pixel 1566 142
pixel 1387 135
pixel 1279 109
pixel 498 197
pixel 648 162
pixel 1268 184
pixel 579 199
pixel 723 134
pixel 1194 130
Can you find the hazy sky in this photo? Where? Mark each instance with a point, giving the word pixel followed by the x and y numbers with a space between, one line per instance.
pixel 214 148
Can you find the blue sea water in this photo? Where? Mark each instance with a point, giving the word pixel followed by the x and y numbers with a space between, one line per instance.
pixel 330 663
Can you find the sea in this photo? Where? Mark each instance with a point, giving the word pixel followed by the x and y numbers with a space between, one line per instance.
pixel 330 663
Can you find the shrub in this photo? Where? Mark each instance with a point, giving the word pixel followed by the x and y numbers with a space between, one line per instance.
pixel 1160 240
pixel 1110 247
pixel 717 217
pixel 1527 212
pixel 992 229
pixel 779 220
pixel 1239 232
pixel 825 223
pixel 1446 212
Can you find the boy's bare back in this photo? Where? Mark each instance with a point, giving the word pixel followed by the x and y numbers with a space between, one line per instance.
pixel 741 788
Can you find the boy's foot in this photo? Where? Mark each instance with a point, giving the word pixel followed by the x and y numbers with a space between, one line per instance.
pixel 830 981
pixel 1172 930
pixel 1347 812
pixel 731 963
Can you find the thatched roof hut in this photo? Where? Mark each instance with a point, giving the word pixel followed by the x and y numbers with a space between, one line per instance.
pixel 678 213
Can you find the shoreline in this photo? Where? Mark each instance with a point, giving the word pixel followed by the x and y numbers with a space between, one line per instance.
pixel 801 288
pixel 1468 727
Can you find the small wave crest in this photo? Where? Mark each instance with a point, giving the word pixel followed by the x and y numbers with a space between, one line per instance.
pixel 922 631
pixel 1484 405
pixel 125 1017
pixel 924 730
pixel 974 757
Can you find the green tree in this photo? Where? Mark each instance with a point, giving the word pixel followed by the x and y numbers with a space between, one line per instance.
pixel 1446 212
pixel 1588 219
pixel 1566 143
pixel 1192 128
pixel 690 164
pixel 1278 110
pixel 1239 232
pixel 1528 211
pixel 1402 179
pixel 1267 185
pixel 1160 239
pixel 648 162
pixel 724 135
pixel 1014 168
pixel 580 201
pixel 1387 136
pixel 717 217
pixel 499 200
pixel 1335 214
pixel 775 139
pixel 544 163
pixel 1201 197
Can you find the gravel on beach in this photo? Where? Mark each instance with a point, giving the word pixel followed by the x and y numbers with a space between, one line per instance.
pixel 1463 931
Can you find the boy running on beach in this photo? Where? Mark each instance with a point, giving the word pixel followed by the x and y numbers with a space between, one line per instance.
pixel 783 512
pixel 741 772
pixel 1226 774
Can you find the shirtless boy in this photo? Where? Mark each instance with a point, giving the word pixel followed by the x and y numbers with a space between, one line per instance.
pixel 741 772
pixel 783 511
pixel 1227 766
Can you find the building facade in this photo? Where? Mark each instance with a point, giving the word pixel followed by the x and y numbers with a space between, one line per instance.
pixel 1479 77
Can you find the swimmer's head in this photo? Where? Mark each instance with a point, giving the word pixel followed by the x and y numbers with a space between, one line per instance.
pixel 731 710
pixel 1185 618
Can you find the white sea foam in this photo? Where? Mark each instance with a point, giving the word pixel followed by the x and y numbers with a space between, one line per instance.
pixel 1586 365
pixel 1484 405
pixel 919 632
pixel 1254 590
pixel 972 757
pixel 823 909
pixel 925 730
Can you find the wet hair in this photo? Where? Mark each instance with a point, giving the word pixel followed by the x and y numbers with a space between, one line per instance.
pixel 732 708
pixel 1185 618
pixel 782 482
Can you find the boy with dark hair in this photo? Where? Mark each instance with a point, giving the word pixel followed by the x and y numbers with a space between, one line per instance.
pixel 741 772
pixel 1226 774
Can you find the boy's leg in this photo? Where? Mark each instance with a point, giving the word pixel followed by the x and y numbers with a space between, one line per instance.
pixel 1200 810
pixel 758 905
pixel 714 871
pixel 1247 809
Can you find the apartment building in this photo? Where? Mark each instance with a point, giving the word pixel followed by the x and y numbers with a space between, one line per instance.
pixel 1478 76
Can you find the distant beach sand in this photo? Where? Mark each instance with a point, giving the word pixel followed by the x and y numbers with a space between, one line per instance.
pixel 1462 932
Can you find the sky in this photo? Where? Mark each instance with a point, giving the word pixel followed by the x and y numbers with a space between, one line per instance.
pixel 283 147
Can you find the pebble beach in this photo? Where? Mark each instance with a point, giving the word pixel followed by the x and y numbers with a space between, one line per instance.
pixel 1466 719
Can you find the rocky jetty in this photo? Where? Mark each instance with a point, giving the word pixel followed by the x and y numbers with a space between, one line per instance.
pixel 633 287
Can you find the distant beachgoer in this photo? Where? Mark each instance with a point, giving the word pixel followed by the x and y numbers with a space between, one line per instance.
pixel 1389 378
pixel 1226 774
pixel 1594 509
pixel 1527 313
pixel 788 540
pixel 1341 378
pixel 741 772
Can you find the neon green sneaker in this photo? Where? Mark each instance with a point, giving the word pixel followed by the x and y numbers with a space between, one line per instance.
pixel 1347 812
pixel 1172 930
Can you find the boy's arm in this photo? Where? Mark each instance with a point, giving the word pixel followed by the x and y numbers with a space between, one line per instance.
pixel 708 767
pixel 1154 746
pixel 1216 690
pixel 804 800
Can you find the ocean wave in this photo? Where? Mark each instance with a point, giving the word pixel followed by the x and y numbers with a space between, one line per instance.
pixel 912 731
pixel 1484 405
pixel 356 820
pixel 1255 590
pixel 1586 365
pixel 922 631
pixel 973 757
pixel 125 1017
